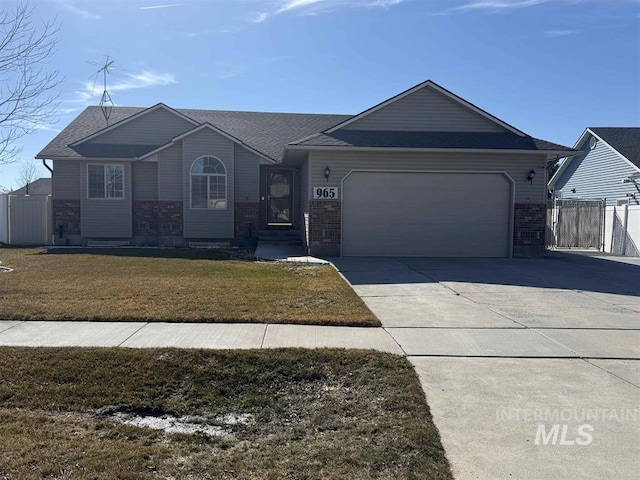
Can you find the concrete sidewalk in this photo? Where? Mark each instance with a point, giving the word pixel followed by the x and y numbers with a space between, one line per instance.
pixel 192 335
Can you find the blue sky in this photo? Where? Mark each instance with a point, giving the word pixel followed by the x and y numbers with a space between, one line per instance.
pixel 548 67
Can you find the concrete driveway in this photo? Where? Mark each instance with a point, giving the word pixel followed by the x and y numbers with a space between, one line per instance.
pixel 531 367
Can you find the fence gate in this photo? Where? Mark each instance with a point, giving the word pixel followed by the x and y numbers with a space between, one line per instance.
pixel 29 222
pixel 580 223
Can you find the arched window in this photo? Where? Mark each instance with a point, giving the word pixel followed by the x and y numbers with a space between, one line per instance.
pixel 208 183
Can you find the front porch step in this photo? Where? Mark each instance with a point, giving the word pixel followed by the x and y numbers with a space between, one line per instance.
pixel 280 237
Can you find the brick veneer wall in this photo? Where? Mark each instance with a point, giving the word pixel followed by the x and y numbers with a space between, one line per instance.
pixel 66 214
pixel 145 217
pixel 170 218
pixel 529 226
pixel 247 218
pixel 324 227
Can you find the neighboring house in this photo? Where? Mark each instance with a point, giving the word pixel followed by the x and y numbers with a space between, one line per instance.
pixel 608 167
pixel 424 173
pixel 41 186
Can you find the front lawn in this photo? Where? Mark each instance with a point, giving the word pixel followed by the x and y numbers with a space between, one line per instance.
pixel 178 285
pixel 282 414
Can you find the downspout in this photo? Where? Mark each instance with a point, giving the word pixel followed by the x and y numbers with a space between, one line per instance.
pixel 51 222
pixel 44 162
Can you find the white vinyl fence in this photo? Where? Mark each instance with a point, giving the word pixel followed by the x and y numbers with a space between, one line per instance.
pixel 4 218
pixel 622 230
pixel 25 219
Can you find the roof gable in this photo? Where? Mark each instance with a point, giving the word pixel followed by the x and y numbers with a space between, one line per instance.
pixel 426 107
pixel 200 128
pixel 152 126
pixel 626 139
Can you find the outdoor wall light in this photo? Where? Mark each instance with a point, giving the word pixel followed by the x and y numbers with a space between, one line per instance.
pixel 531 175
pixel 573 190
pixel 327 172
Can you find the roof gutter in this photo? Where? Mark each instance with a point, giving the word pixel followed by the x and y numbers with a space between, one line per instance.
pixel 548 153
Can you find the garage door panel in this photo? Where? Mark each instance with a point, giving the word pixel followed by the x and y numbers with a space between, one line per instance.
pixel 441 249
pixel 426 214
pixel 441 214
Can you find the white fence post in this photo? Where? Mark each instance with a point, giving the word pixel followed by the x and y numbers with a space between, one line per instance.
pixel 4 220
pixel 625 223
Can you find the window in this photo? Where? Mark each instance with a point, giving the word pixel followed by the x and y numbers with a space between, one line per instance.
pixel 105 181
pixel 208 183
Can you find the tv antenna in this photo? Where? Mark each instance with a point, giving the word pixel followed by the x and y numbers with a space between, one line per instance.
pixel 106 104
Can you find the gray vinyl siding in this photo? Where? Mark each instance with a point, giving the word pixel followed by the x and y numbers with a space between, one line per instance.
pixel 516 166
pixel 597 173
pixel 66 180
pixel 106 218
pixel 145 181
pixel 170 174
pixel 207 223
pixel 422 111
pixel 247 175
pixel 153 128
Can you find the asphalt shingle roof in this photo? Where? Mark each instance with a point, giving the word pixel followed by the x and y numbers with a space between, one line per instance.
pixel 393 139
pixel 267 133
pixel 625 140
pixel 41 186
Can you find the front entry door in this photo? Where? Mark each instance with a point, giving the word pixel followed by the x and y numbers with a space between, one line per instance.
pixel 280 198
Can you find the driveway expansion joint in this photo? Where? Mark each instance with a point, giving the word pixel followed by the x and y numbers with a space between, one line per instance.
pixel 607 371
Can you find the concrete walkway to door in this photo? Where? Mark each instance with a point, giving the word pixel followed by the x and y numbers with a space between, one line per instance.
pixel 531 367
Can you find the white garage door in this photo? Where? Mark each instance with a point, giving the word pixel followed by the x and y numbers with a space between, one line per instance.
pixel 426 214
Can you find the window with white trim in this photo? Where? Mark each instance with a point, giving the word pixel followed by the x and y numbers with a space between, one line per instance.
pixel 208 183
pixel 105 181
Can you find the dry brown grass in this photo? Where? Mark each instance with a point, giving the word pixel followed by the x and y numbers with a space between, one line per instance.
pixel 171 285
pixel 319 414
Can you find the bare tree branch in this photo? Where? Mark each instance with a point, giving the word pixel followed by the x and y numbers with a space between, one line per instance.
pixel 27 173
pixel 28 86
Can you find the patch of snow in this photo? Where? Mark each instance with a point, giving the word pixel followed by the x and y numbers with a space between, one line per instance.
pixel 189 425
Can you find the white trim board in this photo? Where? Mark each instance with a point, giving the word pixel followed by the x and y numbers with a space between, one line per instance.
pixel 547 153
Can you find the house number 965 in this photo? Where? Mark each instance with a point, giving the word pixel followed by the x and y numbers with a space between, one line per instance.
pixel 325 193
